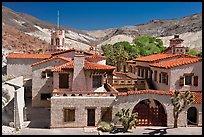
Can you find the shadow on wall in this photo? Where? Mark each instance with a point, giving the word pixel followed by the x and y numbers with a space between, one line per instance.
pixel 8 113
pixel 46 88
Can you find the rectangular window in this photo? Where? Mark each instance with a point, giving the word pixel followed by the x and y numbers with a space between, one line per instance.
pixel 49 73
pixel 142 73
pixel 188 80
pixel 138 72
pixel 97 81
pixel 43 74
pixel 45 96
pixel 164 78
pixel 195 81
pixel 181 81
pixel 106 114
pixel 63 80
pixel 155 75
pixel 159 77
pixel 69 115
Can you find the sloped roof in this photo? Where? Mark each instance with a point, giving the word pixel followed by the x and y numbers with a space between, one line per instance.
pixel 87 66
pixel 96 56
pixel 197 94
pixel 155 57
pixel 69 50
pixel 176 62
pixel 26 55
pixel 176 39
pixel 53 58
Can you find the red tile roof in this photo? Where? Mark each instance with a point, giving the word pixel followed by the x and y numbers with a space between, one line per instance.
pixel 61 68
pixel 197 97
pixel 69 50
pixel 26 55
pixel 96 56
pixel 53 58
pixel 155 57
pixel 176 39
pixel 176 62
pixel 87 66
pixel 95 66
pixel 161 92
pixel 197 94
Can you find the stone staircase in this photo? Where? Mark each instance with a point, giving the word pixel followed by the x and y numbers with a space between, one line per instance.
pixel 90 129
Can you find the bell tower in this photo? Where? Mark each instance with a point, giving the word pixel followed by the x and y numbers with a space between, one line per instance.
pixel 57 38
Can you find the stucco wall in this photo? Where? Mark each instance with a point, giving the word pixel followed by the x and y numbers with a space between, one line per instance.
pixel 86 87
pixel 19 105
pixel 195 68
pixel 161 86
pixel 42 85
pixel 20 67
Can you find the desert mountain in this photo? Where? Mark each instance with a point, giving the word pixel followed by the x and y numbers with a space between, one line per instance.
pixel 23 32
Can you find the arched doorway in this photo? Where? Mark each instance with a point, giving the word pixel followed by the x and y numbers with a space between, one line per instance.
pixel 192 116
pixel 150 113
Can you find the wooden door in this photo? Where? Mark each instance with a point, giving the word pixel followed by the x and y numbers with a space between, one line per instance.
pixel 90 117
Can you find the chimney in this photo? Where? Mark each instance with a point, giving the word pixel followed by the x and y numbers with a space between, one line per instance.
pixel 176 36
pixel 79 81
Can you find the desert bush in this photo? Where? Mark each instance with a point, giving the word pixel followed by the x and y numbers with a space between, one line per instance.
pixel 105 126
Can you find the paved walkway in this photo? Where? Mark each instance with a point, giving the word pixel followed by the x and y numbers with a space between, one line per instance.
pixel 137 131
pixel 159 131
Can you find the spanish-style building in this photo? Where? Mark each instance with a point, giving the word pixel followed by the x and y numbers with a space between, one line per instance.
pixel 81 90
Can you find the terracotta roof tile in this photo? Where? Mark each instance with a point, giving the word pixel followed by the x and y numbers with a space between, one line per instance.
pixel 87 66
pixel 155 57
pixel 61 68
pixel 197 94
pixel 69 50
pixel 95 66
pixel 161 92
pixel 26 55
pixel 197 97
pixel 176 62
pixel 96 56
pixel 53 58
pixel 176 39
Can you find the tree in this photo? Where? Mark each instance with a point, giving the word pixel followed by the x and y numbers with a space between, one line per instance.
pixel 149 45
pixel 128 120
pixel 194 52
pixel 180 102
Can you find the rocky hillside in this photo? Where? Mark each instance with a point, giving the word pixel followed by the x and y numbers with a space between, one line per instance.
pixel 23 32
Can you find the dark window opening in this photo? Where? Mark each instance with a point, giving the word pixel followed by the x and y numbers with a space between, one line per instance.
pixel 63 81
pixel 45 96
pixel 97 81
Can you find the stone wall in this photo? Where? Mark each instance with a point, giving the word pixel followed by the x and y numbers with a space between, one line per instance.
pixel 80 104
pixel 195 68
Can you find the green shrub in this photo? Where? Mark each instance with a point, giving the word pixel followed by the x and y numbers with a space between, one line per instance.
pixel 105 126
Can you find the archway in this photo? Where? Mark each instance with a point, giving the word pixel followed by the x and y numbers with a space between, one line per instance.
pixel 150 113
pixel 192 116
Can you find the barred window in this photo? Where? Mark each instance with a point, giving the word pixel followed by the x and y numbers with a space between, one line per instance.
pixel 69 114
